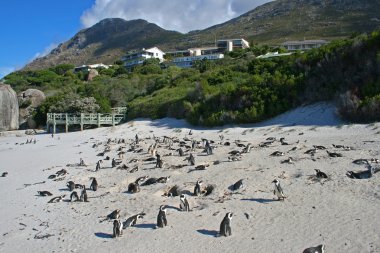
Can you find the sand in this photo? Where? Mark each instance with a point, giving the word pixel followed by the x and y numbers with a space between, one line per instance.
pixel 340 212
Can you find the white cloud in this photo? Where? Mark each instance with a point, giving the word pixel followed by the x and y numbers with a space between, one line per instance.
pixel 179 15
pixel 5 71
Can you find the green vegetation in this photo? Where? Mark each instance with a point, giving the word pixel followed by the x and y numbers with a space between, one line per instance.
pixel 237 89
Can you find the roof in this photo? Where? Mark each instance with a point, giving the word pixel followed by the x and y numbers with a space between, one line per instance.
pixel 303 42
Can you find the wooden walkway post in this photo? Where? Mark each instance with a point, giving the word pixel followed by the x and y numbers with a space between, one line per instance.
pixel 81 122
pixel 66 123
pixel 98 119
pixel 113 119
pixel 54 124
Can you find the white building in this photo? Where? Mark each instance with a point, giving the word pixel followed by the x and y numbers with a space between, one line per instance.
pixel 229 45
pixel 92 66
pixel 138 57
pixel 303 44
pixel 187 62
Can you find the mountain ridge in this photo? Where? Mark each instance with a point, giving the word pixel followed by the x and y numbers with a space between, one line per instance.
pixel 270 23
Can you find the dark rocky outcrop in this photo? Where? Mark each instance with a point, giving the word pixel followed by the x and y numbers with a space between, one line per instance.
pixel 9 111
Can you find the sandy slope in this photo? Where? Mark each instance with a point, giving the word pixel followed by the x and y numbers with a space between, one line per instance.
pixel 341 212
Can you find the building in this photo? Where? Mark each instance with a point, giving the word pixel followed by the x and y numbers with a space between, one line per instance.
pixel 134 58
pixel 187 62
pixel 303 44
pixel 92 66
pixel 229 45
pixel 197 51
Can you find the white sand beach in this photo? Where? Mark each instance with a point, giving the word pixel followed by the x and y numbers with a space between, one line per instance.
pixel 340 212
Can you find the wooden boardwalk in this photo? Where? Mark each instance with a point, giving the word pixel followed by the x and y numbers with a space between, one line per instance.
pixel 117 116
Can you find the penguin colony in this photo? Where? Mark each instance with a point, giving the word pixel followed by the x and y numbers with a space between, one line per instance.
pixel 189 148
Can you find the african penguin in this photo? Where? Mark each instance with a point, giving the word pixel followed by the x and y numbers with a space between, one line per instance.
pixel 278 190
pixel 225 226
pixel 184 205
pixel 161 217
pixel 317 249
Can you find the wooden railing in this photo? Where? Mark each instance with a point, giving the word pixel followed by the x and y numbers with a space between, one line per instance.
pixel 116 117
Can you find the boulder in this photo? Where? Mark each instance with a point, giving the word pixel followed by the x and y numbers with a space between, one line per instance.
pixel 9 111
pixel 29 100
pixel 91 74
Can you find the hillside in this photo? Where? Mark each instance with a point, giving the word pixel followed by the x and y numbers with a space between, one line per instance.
pixel 105 42
pixel 272 23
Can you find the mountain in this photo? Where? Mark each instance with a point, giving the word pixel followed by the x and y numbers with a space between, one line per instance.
pixel 105 42
pixel 272 23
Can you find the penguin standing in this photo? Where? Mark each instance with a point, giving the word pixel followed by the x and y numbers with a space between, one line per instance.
pixel 117 228
pixel 184 205
pixel 197 188
pixel 278 190
pixel 191 160
pixel 161 217
pixel 73 195
pixel 97 168
pixel 225 226
pixel 94 184
pixel 318 249
pixel 83 195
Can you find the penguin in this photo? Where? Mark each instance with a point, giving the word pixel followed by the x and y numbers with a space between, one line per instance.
pixel 332 154
pixel 191 160
pixel 159 162
pixel 225 226
pixel 278 190
pixel 180 152
pixel 283 142
pixel 163 180
pixel 131 221
pixel 321 174
pixel 238 185
pixel 98 167
pixel 83 195
pixel 361 174
pixel 311 151
pixel 4 174
pixel 193 145
pixel 150 181
pixel 113 163
pixel 117 228
pixel 44 193
pixel 94 184
pixel 74 194
pixel 70 185
pixel 184 204
pixel 247 148
pixel 161 217
pixel 81 162
pixel 114 215
pixel 137 139
pixel 135 186
pixel 319 147
pixel 317 249
pixel 277 153
pixel 289 160
pixel 57 199
pixel 197 188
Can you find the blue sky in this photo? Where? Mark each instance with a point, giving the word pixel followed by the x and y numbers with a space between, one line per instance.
pixel 32 28
pixel 28 28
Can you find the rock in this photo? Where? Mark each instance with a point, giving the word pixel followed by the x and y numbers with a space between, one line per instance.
pixel 91 74
pixel 30 132
pixel 29 100
pixel 8 108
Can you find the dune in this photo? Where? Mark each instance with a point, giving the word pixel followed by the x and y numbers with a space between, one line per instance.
pixel 339 212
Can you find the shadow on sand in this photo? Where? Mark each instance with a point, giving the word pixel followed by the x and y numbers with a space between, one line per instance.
pixel 103 235
pixel 146 225
pixel 212 233
pixel 260 200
